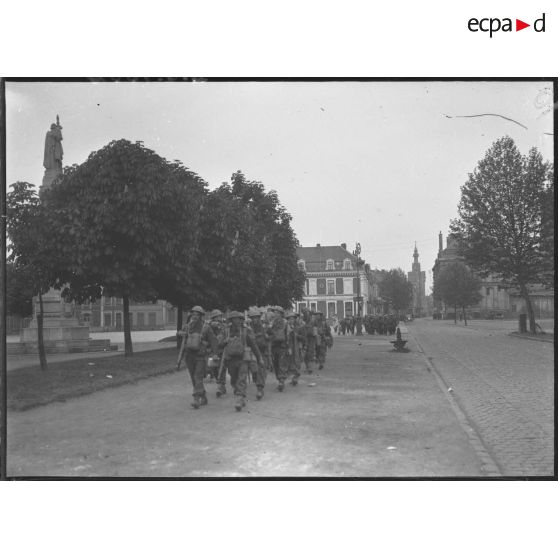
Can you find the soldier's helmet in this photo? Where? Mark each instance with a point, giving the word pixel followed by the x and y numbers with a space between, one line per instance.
pixel 279 309
pixel 235 314
pixel 290 314
pixel 198 309
pixel 215 314
pixel 254 314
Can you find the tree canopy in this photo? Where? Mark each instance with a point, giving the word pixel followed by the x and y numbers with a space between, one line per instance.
pixel 396 290
pixel 503 223
pixel 125 222
pixel 457 287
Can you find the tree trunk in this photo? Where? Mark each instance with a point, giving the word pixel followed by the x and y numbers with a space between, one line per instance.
pixel 455 314
pixel 41 341
pixel 128 351
pixel 530 312
pixel 464 315
pixel 178 326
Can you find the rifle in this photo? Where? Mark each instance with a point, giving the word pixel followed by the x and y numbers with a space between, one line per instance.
pixel 181 352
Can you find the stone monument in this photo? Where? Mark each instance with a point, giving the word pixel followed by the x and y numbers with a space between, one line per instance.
pixel 62 332
pixel 52 160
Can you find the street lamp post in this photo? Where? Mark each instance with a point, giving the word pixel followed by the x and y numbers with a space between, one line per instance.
pixel 357 254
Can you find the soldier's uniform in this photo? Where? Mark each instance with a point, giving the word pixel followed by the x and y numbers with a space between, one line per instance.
pixel 295 339
pixel 198 342
pixel 239 340
pixel 217 371
pixel 310 333
pixel 323 338
pixel 259 372
pixel 278 336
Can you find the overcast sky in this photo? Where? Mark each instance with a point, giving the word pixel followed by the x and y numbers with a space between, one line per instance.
pixel 373 162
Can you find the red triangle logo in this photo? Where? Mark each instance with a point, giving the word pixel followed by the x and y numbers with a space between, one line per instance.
pixel 519 25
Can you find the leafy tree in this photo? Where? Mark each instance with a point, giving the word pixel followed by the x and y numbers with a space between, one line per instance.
pixel 32 257
pixel 396 290
pixel 20 290
pixel 457 287
pixel 247 248
pixel 504 219
pixel 125 222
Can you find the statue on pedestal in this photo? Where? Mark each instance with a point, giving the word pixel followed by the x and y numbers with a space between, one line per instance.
pixel 52 160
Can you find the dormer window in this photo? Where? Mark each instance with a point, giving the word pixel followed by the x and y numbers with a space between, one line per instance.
pixel 330 265
pixel 347 264
pixel 302 265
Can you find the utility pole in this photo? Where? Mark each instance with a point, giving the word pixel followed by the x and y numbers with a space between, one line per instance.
pixel 357 254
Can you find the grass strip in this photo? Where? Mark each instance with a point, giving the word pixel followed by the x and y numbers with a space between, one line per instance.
pixel 30 387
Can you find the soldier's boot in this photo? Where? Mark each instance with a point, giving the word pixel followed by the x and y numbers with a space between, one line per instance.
pixel 259 393
pixel 239 403
pixel 294 381
pixel 203 400
pixel 196 402
pixel 281 385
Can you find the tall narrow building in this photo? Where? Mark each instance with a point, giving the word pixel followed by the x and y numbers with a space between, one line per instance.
pixel 418 279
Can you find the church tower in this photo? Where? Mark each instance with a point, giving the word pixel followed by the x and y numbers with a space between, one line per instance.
pixel 418 279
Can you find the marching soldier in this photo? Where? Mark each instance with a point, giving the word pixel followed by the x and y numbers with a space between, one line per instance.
pixel 310 333
pixel 278 334
pixel 323 339
pixel 239 340
pixel 218 329
pixel 259 372
pixel 197 339
pixel 295 338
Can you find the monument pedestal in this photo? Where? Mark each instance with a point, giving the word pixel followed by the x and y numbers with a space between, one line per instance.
pixel 62 333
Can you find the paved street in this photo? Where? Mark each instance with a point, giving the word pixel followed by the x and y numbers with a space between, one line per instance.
pixel 504 385
pixel 370 412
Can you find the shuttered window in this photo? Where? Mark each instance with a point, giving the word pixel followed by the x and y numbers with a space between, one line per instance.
pixel 339 285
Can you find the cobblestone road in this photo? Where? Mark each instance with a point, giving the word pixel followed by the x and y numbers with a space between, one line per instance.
pixel 504 385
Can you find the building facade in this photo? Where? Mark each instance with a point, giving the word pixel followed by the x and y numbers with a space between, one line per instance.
pixel 417 278
pixel 107 314
pixel 497 298
pixel 333 281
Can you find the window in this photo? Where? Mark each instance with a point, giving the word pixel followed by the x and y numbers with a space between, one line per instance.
pixel 86 318
pixel 312 306
pixel 330 265
pixel 321 284
pixel 347 264
pixel 487 291
pixel 339 285
pixel 108 320
pixel 302 265
pixel 330 287
pixel 348 309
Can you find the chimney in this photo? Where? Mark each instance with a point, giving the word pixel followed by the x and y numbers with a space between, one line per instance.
pixel 440 242
pixel 344 246
pixel 318 245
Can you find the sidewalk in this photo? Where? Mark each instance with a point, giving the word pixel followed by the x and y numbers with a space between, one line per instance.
pixel 371 412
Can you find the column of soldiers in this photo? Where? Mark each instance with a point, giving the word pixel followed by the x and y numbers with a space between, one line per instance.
pixel 382 325
pixel 276 342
